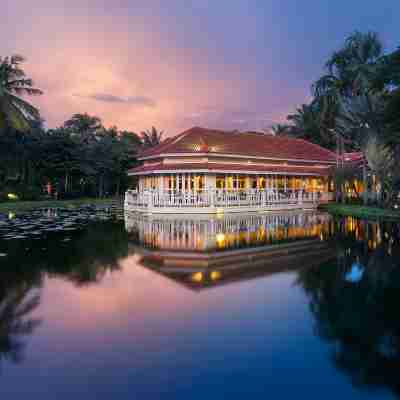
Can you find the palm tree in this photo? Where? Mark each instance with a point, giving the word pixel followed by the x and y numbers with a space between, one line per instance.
pixel 382 162
pixel 345 95
pixel 15 323
pixel 280 129
pixel 151 138
pixel 15 112
pixel 306 124
pixel 352 71
pixel 84 126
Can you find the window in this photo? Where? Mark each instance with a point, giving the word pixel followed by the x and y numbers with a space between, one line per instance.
pixel 220 182
pixel 241 182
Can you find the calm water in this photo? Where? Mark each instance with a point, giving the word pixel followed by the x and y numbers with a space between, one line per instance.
pixel 97 306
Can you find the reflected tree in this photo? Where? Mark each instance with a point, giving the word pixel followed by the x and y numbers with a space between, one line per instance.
pixel 360 317
pixel 16 305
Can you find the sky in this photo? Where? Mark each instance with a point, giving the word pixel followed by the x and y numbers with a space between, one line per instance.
pixel 174 64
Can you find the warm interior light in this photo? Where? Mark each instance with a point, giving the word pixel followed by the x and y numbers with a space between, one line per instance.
pixel 220 239
pixel 215 275
pixel 197 277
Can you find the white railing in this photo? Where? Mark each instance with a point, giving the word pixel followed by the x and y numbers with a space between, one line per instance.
pixel 215 199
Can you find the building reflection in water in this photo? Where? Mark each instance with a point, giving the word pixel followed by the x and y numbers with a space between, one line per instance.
pixel 203 251
pixel 348 269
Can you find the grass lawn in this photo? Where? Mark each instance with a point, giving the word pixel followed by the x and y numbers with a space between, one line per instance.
pixel 16 206
pixel 360 211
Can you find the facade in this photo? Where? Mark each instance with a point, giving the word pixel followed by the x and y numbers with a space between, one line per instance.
pixel 212 171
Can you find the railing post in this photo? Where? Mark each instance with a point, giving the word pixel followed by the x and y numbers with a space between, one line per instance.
pixel 150 201
pixel 211 194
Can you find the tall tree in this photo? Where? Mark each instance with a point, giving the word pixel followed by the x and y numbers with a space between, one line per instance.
pixel 84 126
pixel 15 112
pixel 151 137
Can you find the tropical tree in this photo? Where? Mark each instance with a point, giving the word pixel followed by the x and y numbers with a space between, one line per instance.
pixel 15 321
pixel 306 124
pixel 280 129
pixel 382 162
pixel 15 112
pixel 83 126
pixel 151 137
pixel 351 72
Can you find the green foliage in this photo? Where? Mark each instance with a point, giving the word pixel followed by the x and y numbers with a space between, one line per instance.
pixel 364 212
pixel 151 137
pixel 356 101
pixel 79 158
pixel 15 112
pixel 306 124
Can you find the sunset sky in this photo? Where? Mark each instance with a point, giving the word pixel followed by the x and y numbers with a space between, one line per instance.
pixel 235 64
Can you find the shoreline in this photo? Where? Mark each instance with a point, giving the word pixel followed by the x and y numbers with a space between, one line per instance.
pixel 18 206
pixel 359 211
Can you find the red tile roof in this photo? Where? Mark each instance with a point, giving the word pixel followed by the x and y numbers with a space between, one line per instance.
pixel 355 159
pixel 240 168
pixel 250 144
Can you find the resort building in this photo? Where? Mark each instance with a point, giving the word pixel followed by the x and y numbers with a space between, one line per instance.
pixel 212 171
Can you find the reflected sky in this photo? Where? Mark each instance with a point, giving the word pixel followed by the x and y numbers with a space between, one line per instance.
pixel 133 331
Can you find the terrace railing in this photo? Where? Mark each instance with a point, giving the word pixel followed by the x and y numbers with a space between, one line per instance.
pixel 217 199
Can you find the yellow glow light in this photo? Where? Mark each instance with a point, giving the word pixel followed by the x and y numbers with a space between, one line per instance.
pixel 12 196
pixel 215 275
pixel 220 239
pixel 11 215
pixel 197 277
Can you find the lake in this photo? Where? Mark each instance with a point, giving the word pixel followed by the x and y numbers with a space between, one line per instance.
pixel 98 305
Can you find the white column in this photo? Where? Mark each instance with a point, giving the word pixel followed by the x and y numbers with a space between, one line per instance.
pixel 211 181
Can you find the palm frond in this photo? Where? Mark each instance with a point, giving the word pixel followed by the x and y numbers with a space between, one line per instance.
pixel 30 111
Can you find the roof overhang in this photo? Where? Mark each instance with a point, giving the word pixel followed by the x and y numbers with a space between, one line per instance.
pixel 159 169
pixel 248 157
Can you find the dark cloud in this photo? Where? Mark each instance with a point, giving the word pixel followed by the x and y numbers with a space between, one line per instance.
pixel 110 98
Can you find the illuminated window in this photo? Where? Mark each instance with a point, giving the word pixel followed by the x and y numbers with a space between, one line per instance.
pixel 241 182
pixel 230 183
pixel 220 182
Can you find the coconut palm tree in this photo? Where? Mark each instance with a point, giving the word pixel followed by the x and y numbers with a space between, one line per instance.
pixel 15 112
pixel 307 124
pixel 280 129
pixel 352 71
pixel 15 323
pixel 382 162
pixel 152 137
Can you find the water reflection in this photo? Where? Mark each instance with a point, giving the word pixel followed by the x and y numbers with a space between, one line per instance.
pixel 16 306
pixel 82 258
pixel 360 316
pixel 207 251
pixel 145 295
pixel 212 233
pixel 348 268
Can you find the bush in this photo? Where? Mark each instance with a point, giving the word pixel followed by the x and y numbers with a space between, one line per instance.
pixel 22 192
